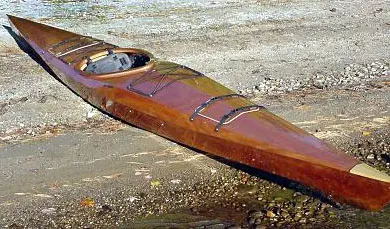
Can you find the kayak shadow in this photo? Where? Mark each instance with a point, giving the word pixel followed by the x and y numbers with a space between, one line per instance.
pixel 284 182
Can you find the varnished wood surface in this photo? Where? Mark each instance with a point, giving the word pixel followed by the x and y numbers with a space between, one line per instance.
pixel 259 139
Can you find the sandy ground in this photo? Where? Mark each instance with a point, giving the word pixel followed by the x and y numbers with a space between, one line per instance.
pixel 63 163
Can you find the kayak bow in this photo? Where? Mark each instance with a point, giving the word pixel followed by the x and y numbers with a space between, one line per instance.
pixel 185 106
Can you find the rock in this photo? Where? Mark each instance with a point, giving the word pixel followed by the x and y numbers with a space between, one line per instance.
pixel 106 208
pixel 270 214
pixel 244 189
pixel 234 227
pixel 319 84
pixel 302 221
pixel 92 113
pixel 285 214
pixel 378 10
pixel 49 211
pixel 175 181
pixel 298 216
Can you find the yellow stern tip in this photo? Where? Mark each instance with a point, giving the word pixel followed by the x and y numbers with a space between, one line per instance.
pixel 370 172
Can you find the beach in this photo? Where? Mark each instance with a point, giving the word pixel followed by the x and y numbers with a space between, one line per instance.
pixel 322 65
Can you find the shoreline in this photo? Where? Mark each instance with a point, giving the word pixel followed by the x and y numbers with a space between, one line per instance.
pixel 324 70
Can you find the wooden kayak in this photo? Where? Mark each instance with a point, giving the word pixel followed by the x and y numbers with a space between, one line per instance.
pixel 184 105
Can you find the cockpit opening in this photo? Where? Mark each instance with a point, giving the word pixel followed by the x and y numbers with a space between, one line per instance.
pixel 113 61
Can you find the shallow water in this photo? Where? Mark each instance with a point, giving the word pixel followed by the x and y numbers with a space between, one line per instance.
pixel 146 17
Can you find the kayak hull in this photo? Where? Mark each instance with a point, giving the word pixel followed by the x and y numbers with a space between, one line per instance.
pixel 163 97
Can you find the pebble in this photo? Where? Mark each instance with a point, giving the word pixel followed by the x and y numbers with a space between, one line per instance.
pixel 245 189
pixel 92 113
pixel 302 221
pixel 49 211
pixel 373 149
pixel 354 77
pixel 270 214
pixel 175 181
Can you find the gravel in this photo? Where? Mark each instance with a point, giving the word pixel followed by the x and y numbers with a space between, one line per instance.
pixel 373 150
pixel 354 77
pixel 235 199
